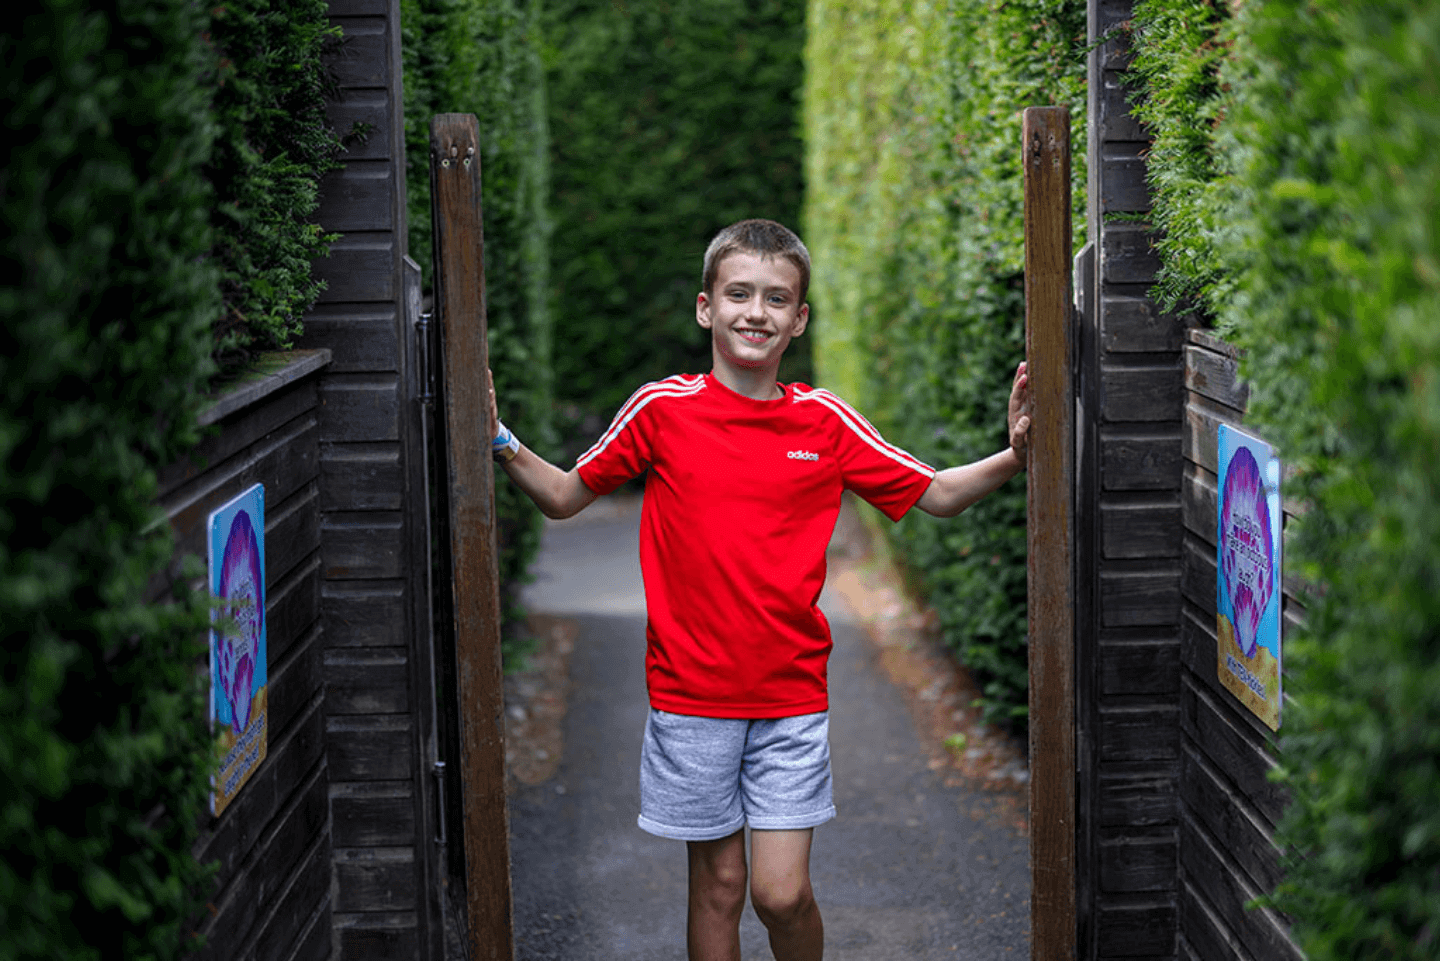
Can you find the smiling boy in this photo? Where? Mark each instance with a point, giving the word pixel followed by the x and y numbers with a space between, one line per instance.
pixel 744 489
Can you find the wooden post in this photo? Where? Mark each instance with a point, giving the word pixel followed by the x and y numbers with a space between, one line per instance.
pixel 1050 349
pixel 460 306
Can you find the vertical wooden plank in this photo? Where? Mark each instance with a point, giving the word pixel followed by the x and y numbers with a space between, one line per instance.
pixel 460 303
pixel 1050 349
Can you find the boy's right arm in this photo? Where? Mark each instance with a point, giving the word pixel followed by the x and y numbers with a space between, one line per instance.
pixel 559 494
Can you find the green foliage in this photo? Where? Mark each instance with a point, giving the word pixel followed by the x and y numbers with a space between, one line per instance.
pixel 914 217
pixel 672 119
pixel 1180 46
pixel 107 301
pixel 1327 272
pixel 481 57
pixel 273 146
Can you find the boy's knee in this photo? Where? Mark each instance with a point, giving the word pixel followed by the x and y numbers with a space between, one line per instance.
pixel 719 883
pixel 781 903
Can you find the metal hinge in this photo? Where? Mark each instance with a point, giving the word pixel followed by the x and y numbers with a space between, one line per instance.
pixel 427 369
pixel 439 771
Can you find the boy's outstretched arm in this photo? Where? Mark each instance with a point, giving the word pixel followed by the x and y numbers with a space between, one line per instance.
pixel 558 494
pixel 956 488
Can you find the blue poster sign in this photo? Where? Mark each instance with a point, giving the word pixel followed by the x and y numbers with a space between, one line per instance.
pixel 236 548
pixel 1248 573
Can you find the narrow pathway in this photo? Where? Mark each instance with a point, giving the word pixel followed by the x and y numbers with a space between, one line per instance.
pixel 911 869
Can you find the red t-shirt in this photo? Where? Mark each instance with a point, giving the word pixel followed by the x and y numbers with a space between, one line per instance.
pixel 740 504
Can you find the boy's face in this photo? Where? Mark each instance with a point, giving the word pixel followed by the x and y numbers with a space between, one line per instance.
pixel 753 311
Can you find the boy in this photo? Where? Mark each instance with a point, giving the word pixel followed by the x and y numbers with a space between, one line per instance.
pixel 743 494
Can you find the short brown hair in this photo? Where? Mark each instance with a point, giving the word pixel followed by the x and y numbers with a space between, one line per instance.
pixel 763 237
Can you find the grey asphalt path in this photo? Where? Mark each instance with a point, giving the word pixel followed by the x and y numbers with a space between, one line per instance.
pixel 909 869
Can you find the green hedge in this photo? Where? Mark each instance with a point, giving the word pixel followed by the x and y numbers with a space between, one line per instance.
pixel 482 57
pixel 107 300
pixel 1314 245
pixel 914 217
pixel 670 120
pixel 273 146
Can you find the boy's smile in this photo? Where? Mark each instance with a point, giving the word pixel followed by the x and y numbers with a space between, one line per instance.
pixel 752 316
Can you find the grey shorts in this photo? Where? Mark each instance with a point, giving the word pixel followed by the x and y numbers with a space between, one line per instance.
pixel 703 778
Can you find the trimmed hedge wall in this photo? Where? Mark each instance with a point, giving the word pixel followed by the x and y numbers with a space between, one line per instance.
pixel 1311 238
pixel 914 218
pixel 671 119
pixel 482 57
pixel 108 297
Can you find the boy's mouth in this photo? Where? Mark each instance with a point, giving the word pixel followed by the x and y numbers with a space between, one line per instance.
pixel 754 336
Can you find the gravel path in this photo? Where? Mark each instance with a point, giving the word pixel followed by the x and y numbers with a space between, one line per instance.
pixel 920 864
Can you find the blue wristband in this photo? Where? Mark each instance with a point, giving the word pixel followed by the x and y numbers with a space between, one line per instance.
pixel 504 447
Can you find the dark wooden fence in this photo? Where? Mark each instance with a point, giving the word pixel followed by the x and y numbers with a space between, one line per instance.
pixel 379 704
pixel 1228 809
pixel 273 842
pixel 1128 542
pixel 1176 816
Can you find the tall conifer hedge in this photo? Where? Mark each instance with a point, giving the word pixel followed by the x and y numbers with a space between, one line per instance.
pixel 1297 180
pixel 670 119
pixel 162 164
pixel 108 296
pixel 914 217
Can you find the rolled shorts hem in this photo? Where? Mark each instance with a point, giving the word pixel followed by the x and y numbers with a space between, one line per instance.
pixel 689 833
pixel 796 822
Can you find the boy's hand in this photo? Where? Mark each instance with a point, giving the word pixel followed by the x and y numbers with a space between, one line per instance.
pixel 1018 418
pixel 494 411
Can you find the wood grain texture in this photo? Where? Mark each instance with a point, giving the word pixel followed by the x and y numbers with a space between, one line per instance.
pixel 365 748
pixel 460 303
pixel 1136 930
pixel 1132 460
pixel 357 196
pixel 1139 528
pixel 1135 860
pixel 1127 255
pixel 1050 349
pixel 375 879
pixel 1136 325
pixel 1209 876
pixel 1133 393
pixel 360 269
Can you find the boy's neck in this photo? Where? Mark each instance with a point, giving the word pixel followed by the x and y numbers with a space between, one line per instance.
pixel 755 383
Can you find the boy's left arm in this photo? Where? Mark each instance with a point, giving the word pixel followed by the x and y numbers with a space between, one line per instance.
pixel 956 488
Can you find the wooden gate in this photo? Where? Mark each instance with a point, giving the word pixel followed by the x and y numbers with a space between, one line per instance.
pixel 471 693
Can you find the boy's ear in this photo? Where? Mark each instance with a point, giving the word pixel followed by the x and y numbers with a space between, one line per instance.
pixel 804 320
pixel 702 310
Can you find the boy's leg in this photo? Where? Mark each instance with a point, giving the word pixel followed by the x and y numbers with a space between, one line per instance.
pixel 717 898
pixel 780 890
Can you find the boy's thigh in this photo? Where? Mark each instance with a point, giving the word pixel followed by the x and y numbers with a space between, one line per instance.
pixel 780 861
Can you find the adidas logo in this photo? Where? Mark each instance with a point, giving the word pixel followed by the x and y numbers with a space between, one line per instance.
pixel 803 455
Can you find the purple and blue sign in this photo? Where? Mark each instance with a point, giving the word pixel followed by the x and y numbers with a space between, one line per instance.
pixel 236 548
pixel 1248 573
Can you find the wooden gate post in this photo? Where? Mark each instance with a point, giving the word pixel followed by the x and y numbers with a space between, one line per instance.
pixel 1050 349
pixel 460 306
